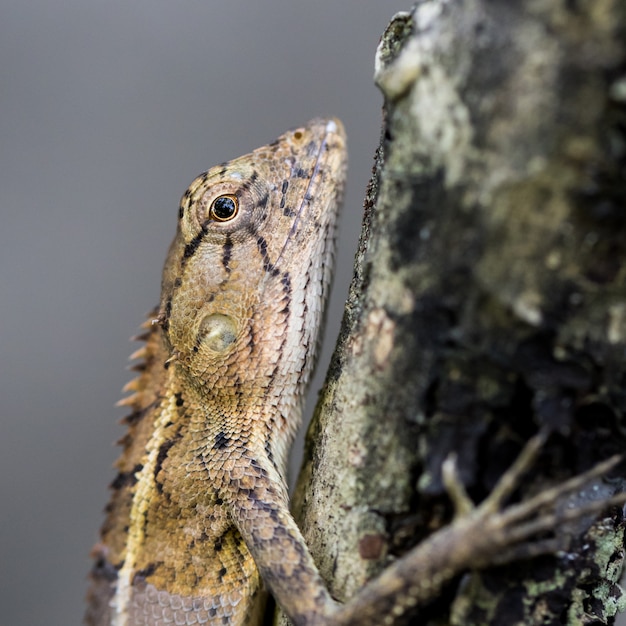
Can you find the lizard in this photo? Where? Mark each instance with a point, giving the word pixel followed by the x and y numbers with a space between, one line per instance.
pixel 198 525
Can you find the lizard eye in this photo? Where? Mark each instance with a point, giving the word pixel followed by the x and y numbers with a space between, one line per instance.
pixel 224 208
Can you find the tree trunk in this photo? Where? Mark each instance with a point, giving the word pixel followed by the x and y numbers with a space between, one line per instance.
pixel 488 300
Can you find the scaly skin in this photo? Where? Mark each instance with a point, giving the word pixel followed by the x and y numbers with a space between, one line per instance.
pixel 201 496
pixel 199 514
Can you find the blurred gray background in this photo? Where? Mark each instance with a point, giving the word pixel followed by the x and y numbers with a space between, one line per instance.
pixel 107 111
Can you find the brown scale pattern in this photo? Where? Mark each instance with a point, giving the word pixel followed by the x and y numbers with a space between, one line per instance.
pixel 199 506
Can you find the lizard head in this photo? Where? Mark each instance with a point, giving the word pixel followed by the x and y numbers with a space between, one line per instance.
pixel 248 273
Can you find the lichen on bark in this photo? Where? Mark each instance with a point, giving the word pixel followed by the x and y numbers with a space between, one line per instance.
pixel 489 300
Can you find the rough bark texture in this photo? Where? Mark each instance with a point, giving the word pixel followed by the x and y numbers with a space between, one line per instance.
pixel 489 299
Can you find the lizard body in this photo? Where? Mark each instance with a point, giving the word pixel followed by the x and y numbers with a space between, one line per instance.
pixel 201 477
pixel 198 523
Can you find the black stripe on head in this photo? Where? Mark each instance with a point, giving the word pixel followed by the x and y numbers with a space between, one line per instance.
pixel 227 251
pixel 183 203
pixel 283 191
pixel 247 184
pixel 261 245
pixel 192 246
pixel 263 201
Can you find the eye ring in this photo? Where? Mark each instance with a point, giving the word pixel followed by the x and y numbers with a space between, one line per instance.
pixel 224 208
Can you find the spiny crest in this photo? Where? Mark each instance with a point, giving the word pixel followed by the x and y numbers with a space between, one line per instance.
pixel 142 355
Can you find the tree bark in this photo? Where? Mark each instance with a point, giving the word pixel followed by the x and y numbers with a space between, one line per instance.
pixel 488 300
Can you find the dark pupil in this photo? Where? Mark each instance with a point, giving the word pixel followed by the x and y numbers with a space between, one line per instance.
pixel 223 208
